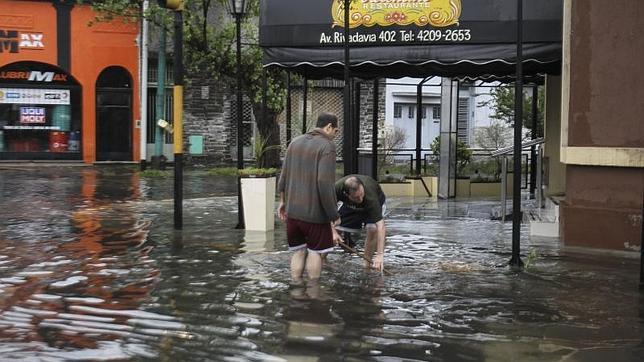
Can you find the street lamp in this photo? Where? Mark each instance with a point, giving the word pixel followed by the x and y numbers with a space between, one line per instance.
pixel 237 9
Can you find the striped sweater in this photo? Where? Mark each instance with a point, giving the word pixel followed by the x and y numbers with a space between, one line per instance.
pixel 308 178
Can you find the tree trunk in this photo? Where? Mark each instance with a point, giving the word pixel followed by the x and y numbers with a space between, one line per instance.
pixel 268 130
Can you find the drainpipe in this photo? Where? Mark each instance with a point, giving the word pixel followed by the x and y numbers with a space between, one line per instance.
pixel 160 106
pixel 144 87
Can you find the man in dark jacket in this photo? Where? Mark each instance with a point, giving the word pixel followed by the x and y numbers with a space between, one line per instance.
pixel 307 197
pixel 363 204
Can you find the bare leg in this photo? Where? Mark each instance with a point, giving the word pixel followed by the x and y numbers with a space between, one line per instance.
pixel 314 265
pixel 370 243
pixel 297 263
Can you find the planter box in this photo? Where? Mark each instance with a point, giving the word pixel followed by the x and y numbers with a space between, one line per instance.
pixel 258 197
pixel 490 188
pixel 463 188
pixel 397 189
pixel 411 187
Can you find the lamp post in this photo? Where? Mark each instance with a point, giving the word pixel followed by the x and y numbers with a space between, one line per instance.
pixel 177 6
pixel 237 9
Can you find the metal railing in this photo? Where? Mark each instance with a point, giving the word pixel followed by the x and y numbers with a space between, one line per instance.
pixel 505 152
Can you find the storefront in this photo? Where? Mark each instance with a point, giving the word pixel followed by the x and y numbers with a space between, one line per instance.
pixel 40 113
pixel 68 90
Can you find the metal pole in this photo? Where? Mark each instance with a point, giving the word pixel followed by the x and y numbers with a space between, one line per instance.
pixel 533 135
pixel 355 129
pixel 374 132
pixel 288 108
pixel 539 171
pixel 240 146
pixel 178 119
pixel 264 111
pixel 504 188
pixel 160 106
pixel 347 146
pixel 419 121
pixel 144 88
pixel 305 96
pixel 518 125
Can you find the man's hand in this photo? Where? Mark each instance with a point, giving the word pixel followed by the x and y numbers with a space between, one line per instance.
pixel 378 262
pixel 336 236
pixel 281 211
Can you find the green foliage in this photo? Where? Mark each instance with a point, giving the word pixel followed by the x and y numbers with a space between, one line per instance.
pixel 151 173
pixel 532 259
pixel 463 154
pixel 260 148
pixel 222 171
pixel 258 172
pixel 503 104
pixel 209 36
pixel 245 172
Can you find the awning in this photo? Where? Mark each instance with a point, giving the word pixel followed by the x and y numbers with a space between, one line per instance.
pixel 395 38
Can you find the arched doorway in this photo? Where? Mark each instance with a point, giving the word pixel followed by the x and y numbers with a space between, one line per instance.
pixel 114 115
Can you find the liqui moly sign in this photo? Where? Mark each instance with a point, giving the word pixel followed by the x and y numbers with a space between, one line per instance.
pixel 32 115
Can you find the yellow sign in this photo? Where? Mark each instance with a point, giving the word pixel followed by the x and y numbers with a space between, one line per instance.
pixel 437 13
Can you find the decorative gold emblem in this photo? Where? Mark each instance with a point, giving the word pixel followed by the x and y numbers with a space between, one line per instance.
pixel 438 13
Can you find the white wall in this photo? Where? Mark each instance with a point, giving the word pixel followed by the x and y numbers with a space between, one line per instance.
pixel 403 90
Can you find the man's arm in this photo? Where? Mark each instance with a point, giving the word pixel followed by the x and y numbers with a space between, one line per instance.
pixel 378 259
pixel 281 209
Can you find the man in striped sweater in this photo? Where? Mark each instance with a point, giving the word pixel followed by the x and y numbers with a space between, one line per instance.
pixel 307 197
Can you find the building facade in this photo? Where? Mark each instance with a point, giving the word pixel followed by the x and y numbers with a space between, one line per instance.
pixel 602 129
pixel 68 89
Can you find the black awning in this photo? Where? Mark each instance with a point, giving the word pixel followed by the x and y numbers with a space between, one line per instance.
pixel 474 38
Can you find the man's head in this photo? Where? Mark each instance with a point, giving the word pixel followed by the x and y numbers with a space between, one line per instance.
pixel 328 123
pixel 354 189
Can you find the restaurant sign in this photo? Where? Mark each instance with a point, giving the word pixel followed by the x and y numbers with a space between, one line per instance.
pixel 320 23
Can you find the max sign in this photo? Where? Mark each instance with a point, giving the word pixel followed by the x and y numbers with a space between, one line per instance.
pixel 32 115
pixel 12 41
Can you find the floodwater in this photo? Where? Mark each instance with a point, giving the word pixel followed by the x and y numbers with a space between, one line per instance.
pixel 91 269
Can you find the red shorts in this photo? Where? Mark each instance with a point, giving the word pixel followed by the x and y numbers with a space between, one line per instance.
pixel 316 237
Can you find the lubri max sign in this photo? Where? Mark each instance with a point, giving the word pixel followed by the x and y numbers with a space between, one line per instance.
pixel 13 41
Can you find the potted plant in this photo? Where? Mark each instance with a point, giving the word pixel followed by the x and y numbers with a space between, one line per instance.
pixel 258 190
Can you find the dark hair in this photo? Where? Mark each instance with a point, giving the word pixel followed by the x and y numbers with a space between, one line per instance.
pixel 327 118
pixel 351 185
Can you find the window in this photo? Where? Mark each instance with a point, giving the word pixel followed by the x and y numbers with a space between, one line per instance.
pixel 436 112
pixel 397 111
pixel 411 112
pixel 424 112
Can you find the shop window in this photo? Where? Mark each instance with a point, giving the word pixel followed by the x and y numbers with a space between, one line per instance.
pixel 40 116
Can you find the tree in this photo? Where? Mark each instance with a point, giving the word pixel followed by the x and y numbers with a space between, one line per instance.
pixel 463 154
pixel 393 139
pixel 209 48
pixel 502 102
pixel 495 136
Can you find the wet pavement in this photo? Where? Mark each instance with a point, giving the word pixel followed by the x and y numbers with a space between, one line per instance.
pixel 91 269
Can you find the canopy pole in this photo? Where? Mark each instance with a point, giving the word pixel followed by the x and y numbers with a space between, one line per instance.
pixel 516 262
pixel 288 108
pixel 347 141
pixel 533 135
pixel 374 132
pixel 419 121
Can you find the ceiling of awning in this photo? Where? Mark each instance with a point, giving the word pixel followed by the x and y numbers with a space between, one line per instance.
pixel 396 38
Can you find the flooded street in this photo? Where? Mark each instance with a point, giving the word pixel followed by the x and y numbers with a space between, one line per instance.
pixel 91 268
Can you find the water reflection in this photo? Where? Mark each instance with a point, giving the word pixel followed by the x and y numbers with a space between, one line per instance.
pixel 91 268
